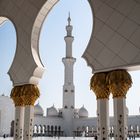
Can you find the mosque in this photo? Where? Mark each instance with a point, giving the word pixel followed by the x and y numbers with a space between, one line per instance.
pixel 112 52
pixel 65 121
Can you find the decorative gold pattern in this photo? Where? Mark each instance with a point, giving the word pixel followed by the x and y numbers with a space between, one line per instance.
pixel 25 94
pixel 119 83
pixel 17 97
pixel 99 85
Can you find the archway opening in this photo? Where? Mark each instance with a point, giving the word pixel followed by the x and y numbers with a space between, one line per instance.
pixel 35 130
pixel 8 41
pixel 7 52
pixel 52 50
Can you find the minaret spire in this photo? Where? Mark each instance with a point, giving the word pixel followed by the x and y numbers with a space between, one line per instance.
pixel 68 60
pixel 69 27
pixel 69 19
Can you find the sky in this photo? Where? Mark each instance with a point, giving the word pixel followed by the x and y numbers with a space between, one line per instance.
pixel 52 50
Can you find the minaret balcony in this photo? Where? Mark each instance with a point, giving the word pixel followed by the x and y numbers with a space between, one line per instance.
pixel 69 38
pixel 68 60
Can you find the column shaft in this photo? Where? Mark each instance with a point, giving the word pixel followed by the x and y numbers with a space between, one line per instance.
pixel 28 122
pixel 16 95
pixel 103 118
pixel 99 85
pixel 119 83
pixel 18 124
pixel 120 119
pixel 31 93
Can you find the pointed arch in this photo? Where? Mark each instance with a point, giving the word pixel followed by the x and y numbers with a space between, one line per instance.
pixel 8 43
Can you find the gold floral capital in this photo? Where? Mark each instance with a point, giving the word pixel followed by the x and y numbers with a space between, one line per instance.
pixel 119 83
pixel 16 95
pixel 28 94
pixel 99 85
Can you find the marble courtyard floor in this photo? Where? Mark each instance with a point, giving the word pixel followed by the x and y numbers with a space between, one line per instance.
pixel 62 138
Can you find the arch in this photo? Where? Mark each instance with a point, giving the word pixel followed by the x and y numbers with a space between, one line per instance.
pixel 35 37
pixel 45 9
pixel 131 127
pixel 8 43
pixel 48 128
pixel 112 129
pixel 59 128
pixel 37 69
pixel 78 131
pixel 39 129
pixel 35 129
pixel 87 129
pixel 27 24
pixel 28 38
pixel 55 128
pixel 104 13
pixel 83 128
pixel 44 129
pixel 78 128
pixel 52 128
pixel 137 128
pixel 93 128
pixel 12 129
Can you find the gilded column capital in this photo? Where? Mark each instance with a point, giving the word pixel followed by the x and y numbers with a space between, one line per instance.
pixel 25 94
pixel 30 94
pixel 16 95
pixel 99 85
pixel 119 83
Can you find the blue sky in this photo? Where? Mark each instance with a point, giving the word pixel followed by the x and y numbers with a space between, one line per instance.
pixel 52 49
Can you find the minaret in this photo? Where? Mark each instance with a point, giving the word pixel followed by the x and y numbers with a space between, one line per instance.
pixel 68 88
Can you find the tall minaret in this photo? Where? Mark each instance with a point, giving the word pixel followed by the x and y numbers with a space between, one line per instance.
pixel 68 88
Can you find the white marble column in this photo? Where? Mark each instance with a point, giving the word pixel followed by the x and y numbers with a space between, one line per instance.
pixel 18 124
pixel 28 122
pixel 119 83
pixel 99 85
pixel 31 93
pixel 17 97
pixel 103 118
pixel 120 119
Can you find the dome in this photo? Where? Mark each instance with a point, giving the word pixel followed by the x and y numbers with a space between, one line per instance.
pixel 83 113
pixel 38 110
pixel 52 112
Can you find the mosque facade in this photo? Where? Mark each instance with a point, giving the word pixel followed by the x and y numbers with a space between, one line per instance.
pixel 60 122
pixel 68 120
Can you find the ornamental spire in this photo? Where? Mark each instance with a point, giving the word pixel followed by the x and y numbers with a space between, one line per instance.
pixel 69 19
pixel 69 26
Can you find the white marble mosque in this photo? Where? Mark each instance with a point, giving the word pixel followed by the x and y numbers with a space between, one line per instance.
pixel 113 51
pixel 68 120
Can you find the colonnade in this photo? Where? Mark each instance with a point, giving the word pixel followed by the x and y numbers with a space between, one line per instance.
pixel 24 98
pixel 49 130
pixel 116 82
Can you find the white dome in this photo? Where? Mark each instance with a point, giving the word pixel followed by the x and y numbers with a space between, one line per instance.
pixel 38 110
pixel 83 113
pixel 52 111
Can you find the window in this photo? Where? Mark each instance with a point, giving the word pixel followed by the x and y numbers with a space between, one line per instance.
pixel 66 90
